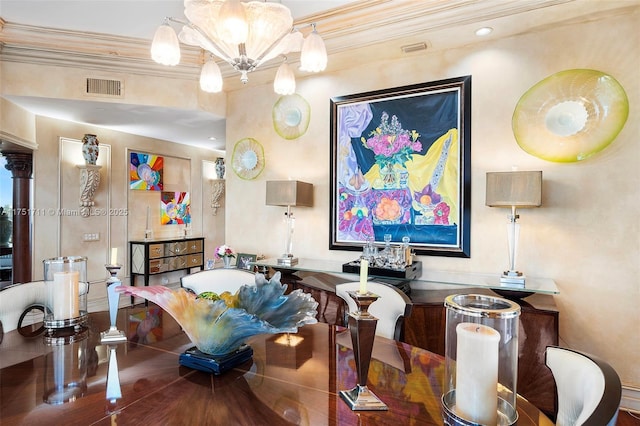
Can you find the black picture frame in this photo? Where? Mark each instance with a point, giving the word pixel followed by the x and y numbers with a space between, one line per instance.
pixel 400 165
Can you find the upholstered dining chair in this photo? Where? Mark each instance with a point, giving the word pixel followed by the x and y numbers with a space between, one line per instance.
pixel 217 280
pixel 15 299
pixel 391 309
pixel 589 389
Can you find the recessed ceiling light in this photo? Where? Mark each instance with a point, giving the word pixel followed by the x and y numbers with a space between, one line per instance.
pixel 212 138
pixel 484 31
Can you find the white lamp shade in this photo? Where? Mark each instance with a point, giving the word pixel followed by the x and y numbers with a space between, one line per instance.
pixel 165 48
pixel 211 77
pixel 313 57
pixel 285 82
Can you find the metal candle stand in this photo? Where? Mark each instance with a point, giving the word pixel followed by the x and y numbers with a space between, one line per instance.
pixel 363 329
pixel 113 335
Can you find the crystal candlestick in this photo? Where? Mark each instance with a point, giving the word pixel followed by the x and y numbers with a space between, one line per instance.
pixel 113 335
pixel 363 330
pixel 114 391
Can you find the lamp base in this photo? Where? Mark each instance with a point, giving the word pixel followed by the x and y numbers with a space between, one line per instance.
pixel 512 279
pixel 287 260
pixel 360 398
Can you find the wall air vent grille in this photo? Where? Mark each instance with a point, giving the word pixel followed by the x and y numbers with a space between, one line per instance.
pixel 104 87
pixel 414 47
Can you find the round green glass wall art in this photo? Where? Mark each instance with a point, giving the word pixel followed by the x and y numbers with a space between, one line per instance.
pixel 570 115
pixel 291 114
pixel 247 159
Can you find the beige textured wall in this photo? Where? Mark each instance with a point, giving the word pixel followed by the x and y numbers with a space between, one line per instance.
pixel 586 235
pixel 56 184
pixel 68 83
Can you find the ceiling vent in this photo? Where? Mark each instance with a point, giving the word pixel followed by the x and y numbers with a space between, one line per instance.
pixel 104 87
pixel 414 47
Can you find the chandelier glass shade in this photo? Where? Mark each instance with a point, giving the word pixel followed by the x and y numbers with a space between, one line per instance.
pixel 244 34
pixel 285 82
pixel 211 77
pixel 165 49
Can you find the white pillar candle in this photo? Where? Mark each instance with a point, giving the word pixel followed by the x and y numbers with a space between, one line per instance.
pixel 114 256
pixel 477 373
pixel 364 275
pixel 65 295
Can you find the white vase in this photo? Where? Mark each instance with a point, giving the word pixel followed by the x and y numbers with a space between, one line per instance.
pixel 227 262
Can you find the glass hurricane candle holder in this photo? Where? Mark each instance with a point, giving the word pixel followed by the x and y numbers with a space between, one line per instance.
pixel 481 360
pixel 67 287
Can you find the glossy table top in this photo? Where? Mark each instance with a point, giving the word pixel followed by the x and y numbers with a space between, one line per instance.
pixel 281 384
pixel 429 279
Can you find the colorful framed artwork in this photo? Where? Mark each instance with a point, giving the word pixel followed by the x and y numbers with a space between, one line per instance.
pixel 145 171
pixel 175 208
pixel 401 167
pixel 243 261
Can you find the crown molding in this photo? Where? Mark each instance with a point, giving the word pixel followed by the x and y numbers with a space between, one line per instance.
pixel 355 25
pixel 12 143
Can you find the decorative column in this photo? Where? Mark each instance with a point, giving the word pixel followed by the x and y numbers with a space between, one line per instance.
pixel 20 164
pixel 89 181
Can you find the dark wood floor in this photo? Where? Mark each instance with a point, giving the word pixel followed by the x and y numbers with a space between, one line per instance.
pixel 628 419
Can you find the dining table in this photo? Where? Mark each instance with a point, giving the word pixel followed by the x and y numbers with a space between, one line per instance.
pixel 69 377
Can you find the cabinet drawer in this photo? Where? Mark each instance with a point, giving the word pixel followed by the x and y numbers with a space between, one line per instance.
pixel 178 262
pixel 158 266
pixel 156 251
pixel 175 248
pixel 194 260
pixel 194 246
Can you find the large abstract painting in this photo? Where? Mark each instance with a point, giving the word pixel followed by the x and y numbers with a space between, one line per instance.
pixel 400 166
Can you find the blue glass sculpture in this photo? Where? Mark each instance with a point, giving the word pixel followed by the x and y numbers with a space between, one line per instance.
pixel 220 327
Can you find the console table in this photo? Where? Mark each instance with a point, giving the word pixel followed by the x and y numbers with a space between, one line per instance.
pixel 425 328
pixel 151 257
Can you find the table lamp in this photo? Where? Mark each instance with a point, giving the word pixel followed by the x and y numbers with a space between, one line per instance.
pixel 289 193
pixel 515 189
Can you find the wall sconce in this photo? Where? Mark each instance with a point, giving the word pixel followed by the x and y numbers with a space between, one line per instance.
pixel 514 189
pixel 289 193
pixel 217 189
pixel 89 181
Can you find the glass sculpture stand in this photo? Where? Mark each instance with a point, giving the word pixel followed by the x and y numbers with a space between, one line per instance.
pixel 216 364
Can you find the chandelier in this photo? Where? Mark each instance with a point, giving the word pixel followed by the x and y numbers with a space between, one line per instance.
pixel 245 35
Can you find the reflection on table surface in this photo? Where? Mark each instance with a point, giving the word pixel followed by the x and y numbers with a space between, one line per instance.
pixel 290 380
